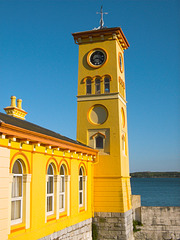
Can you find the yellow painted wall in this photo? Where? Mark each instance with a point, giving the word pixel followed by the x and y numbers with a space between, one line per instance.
pixel 4 192
pixel 111 174
pixel 36 163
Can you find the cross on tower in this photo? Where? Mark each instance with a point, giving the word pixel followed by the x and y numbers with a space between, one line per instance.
pixel 101 20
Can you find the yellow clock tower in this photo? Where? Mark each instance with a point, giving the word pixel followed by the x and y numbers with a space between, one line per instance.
pixel 102 119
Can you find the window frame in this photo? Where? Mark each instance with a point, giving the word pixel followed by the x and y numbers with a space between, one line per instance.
pixel 63 194
pixel 97 85
pixel 48 195
pixel 105 83
pixel 19 198
pixel 99 136
pixel 88 84
pixel 81 191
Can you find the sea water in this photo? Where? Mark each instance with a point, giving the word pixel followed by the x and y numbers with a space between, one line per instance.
pixel 157 191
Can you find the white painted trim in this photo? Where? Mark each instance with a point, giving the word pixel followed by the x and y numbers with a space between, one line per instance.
pixel 10 190
pixel 85 191
pixel 2 136
pixel 62 194
pixel 107 96
pixel 64 197
pixel 81 191
pixel 48 213
pixel 57 181
pixel 26 182
pixel 20 198
pixel 122 100
pixel 46 200
pixel 67 179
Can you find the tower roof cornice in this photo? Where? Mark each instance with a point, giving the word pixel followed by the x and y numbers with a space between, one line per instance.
pixel 101 35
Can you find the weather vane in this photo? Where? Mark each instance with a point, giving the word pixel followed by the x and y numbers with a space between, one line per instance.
pixel 101 21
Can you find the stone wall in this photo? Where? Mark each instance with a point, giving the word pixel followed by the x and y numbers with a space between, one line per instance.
pixel 114 225
pixel 136 207
pixel 159 223
pixel 79 231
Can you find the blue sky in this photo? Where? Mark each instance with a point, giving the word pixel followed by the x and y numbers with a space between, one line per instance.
pixel 39 64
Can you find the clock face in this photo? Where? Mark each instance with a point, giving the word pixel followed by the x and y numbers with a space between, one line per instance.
pixel 97 58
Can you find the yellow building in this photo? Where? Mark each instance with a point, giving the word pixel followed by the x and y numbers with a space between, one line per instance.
pixel 53 187
pixel 102 118
pixel 45 180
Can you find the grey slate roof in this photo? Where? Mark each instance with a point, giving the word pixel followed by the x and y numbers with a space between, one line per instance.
pixel 35 128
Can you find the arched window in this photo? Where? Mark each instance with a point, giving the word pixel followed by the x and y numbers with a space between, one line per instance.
pixel 17 193
pixel 62 192
pixel 50 190
pixel 97 86
pixel 99 142
pixel 88 86
pixel 106 85
pixel 123 144
pixel 122 117
pixel 81 188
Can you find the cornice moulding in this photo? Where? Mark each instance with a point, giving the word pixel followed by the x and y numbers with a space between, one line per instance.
pixel 7 129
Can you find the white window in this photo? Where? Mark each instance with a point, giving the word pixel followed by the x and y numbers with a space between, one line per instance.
pixel 62 192
pixel 97 86
pixel 50 190
pixel 81 188
pixel 17 193
pixel 106 85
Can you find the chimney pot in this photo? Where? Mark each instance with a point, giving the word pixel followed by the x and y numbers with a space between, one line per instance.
pixel 19 103
pixel 13 101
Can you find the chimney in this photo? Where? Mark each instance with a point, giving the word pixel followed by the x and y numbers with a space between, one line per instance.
pixel 13 101
pixel 19 103
pixel 14 111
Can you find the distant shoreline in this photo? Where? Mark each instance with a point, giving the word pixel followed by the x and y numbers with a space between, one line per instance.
pixel 155 175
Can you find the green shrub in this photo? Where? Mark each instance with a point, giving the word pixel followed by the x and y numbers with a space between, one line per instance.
pixel 94 232
pixel 135 224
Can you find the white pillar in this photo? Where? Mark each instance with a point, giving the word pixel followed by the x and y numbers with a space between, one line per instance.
pixel 57 184
pixel 47 177
pixel 9 212
pixel 85 191
pixel 67 179
pixel 26 199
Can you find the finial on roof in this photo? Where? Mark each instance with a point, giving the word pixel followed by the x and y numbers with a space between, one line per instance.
pixel 101 20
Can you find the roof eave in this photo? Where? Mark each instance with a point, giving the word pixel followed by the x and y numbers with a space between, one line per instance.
pixel 21 133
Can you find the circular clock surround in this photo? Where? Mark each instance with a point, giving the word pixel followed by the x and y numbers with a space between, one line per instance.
pixel 96 57
pixel 98 114
pixel 121 63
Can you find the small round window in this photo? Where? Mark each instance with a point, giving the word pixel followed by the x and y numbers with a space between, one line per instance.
pixel 98 114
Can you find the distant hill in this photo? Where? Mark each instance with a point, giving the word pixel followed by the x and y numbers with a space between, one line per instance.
pixel 155 175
